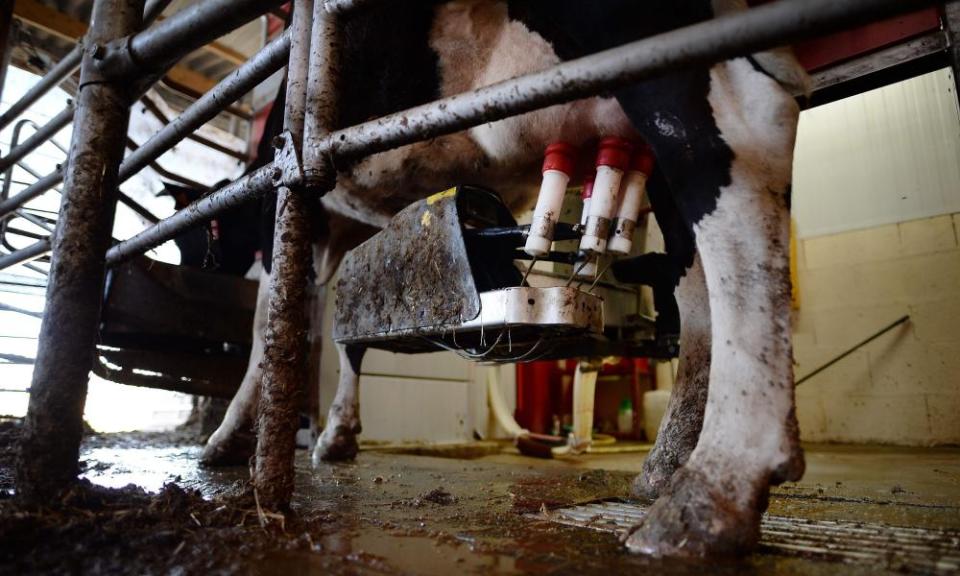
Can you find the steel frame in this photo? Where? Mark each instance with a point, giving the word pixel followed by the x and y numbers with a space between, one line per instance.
pixel 312 75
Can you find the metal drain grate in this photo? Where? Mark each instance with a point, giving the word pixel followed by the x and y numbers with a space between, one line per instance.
pixel 909 549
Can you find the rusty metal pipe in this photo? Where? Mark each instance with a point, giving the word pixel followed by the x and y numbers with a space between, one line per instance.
pixel 321 108
pixel 775 24
pixel 245 78
pixel 53 78
pixel 158 47
pixel 270 59
pixel 54 423
pixel 285 341
pixel 65 68
pixel 31 252
pixel 32 191
pixel 152 107
pixel 236 193
pixel 60 72
pixel 760 28
pixel 46 132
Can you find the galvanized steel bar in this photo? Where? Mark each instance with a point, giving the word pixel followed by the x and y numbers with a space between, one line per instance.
pixel 54 423
pixel 285 340
pixel 189 29
pixel 8 172
pixel 60 72
pixel 270 59
pixel 245 78
pixel 760 28
pixel 35 190
pixel 46 132
pixel 155 110
pixel 321 112
pixel 249 187
pixel 64 69
pixel 775 24
pixel 27 254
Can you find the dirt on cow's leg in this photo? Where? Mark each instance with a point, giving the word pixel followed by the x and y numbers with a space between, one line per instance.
pixel 233 443
pixel 680 428
pixel 749 440
pixel 339 438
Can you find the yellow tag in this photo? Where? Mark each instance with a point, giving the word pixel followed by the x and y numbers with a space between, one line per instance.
pixel 426 219
pixel 440 196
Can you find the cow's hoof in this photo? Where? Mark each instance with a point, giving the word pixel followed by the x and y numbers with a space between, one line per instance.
pixel 696 518
pixel 228 449
pixel 336 444
pixel 658 468
pixel 792 469
pixel 649 484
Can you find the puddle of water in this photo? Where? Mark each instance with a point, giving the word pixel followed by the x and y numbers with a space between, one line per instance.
pixel 381 552
pixel 149 468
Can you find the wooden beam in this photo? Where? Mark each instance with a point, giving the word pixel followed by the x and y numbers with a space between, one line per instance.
pixel 180 78
pixel 59 24
pixel 49 20
pixel 225 52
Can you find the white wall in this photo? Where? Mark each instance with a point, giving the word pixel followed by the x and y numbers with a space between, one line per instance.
pixel 886 156
pixel 876 196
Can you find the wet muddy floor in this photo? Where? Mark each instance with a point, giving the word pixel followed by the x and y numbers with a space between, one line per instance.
pixel 395 513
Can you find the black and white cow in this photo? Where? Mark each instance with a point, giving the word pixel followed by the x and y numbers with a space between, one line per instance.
pixel 723 137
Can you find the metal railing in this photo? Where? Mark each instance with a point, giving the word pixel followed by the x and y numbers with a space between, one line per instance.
pixel 238 83
pixel 310 48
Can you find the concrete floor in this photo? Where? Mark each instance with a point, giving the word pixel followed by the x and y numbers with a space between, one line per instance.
pixel 394 513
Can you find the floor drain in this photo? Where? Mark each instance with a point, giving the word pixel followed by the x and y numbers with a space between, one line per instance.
pixel 898 548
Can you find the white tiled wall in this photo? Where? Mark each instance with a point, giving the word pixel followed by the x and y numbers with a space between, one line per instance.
pixel 903 388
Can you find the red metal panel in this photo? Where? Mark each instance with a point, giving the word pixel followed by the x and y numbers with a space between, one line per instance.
pixel 835 48
pixel 537 384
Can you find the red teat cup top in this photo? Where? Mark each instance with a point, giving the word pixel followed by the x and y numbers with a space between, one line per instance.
pixel 614 152
pixel 560 156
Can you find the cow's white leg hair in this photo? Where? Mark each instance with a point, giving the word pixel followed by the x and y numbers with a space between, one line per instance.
pixel 235 439
pixel 683 420
pixel 749 438
pixel 339 438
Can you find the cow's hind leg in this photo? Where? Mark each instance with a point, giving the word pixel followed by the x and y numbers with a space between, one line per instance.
pixel 339 438
pixel 683 420
pixel 234 440
pixel 749 440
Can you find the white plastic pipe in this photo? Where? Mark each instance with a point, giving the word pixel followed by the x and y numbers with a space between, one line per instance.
pixel 499 406
pixel 612 160
pixel 584 393
pixel 634 188
pixel 557 168
pixel 547 213
pixel 631 200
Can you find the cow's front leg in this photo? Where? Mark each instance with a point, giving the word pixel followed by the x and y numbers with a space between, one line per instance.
pixel 339 438
pixel 749 439
pixel 683 420
pixel 234 440
pixel 712 505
